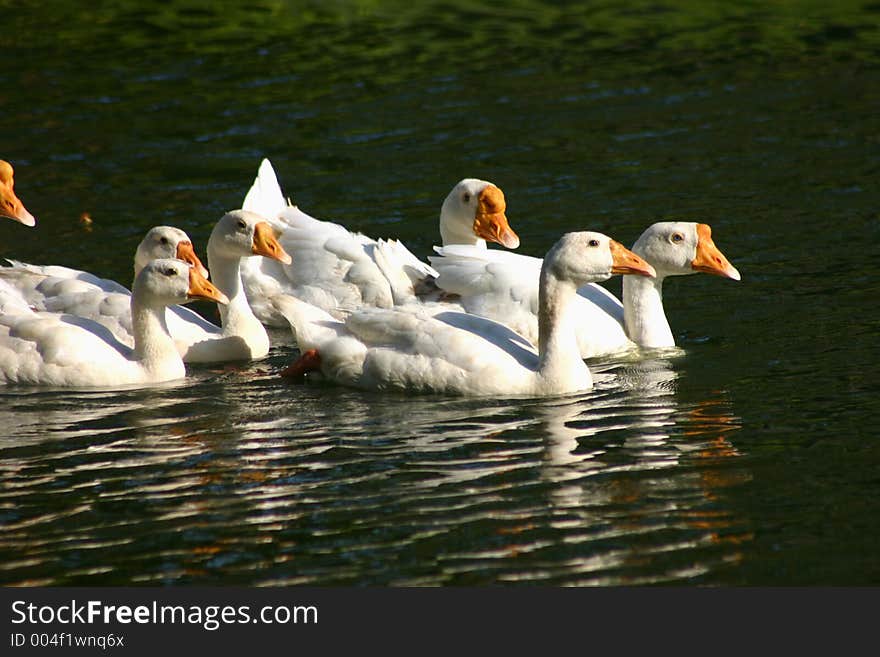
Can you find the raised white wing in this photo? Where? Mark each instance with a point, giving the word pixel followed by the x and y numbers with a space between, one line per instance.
pixel 265 196
pixel 332 268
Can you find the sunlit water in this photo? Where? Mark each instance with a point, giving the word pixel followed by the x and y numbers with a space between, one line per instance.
pixel 747 457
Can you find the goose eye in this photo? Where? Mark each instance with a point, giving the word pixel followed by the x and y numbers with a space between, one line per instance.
pixel 170 271
pixel 594 242
pixel 163 240
pixel 677 237
pixel 466 197
pixel 242 224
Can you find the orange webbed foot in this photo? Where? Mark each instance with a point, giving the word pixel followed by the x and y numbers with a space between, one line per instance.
pixel 309 361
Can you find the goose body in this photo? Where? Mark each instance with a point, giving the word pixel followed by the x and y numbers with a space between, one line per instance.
pixel 339 270
pixel 504 286
pixel 11 206
pixel 42 348
pixel 239 337
pixel 59 289
pixel 11 300
pixel 411 348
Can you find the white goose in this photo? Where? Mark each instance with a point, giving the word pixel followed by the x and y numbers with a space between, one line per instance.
pixel 39 348
pixel 10 205
pixel 408 348
pixel 241 336
pixel 58 289
pixel 504 287
pixel 338 270
pixel 39 283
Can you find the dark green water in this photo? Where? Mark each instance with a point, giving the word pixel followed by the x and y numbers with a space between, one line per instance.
pixel 752 459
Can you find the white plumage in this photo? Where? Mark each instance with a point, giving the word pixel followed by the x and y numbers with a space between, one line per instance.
pixel 413 348
pixel 59 289
pixel 41 348
pixel 338 270
pixel 238 236
pixel 240 336
pixel 504 286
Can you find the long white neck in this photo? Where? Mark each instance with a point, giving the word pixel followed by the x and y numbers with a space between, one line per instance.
pixel 457 232
pixel 643 315
pixel 236 317
pixel 560 366
pixel 137 269
pixel 153 346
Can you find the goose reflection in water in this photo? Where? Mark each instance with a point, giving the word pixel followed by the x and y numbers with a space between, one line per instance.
pixel 230 478
pixel 631 460
pixel 30 416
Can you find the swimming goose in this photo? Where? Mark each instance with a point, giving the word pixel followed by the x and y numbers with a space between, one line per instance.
pixel 504 286
pixel 10 205
pixel 409 348
pixel 339 270
pixel 678 248
pixel 241 336
pixel 40 348
pixel 41 282
pixel 54 288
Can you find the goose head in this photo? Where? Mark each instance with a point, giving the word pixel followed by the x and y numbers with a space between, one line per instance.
pixel 587 257
pixel 10 205
pixel 168 281
pixel 243 233
pixel 676 248
pixel 473 211
pixel 166 242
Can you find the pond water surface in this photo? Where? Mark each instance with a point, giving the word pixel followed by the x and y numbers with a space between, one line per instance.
pixel 749 458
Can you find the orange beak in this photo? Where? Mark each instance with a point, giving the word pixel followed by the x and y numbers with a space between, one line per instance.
pixel 266 244
pixel 187 253
pixel 709 258
pixel 625 261
pixel 490 222
pixel 201 288
pixel 10 205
